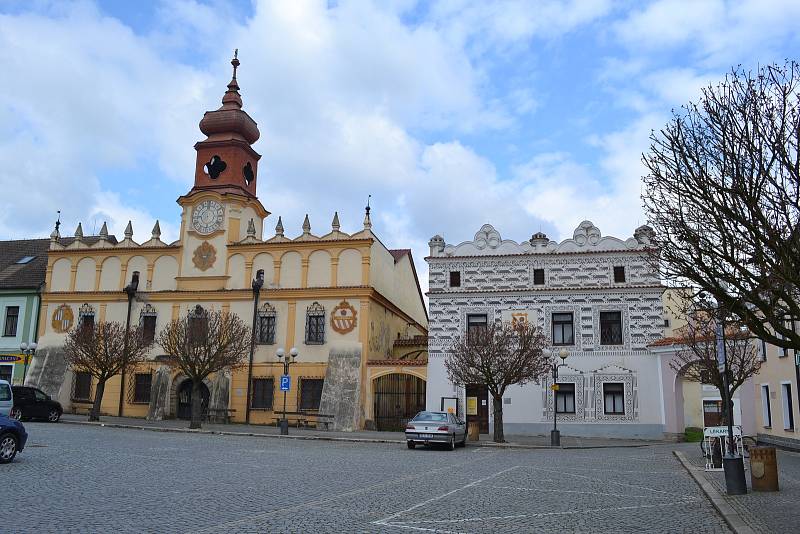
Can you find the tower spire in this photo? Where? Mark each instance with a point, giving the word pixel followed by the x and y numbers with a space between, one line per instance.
pixel 232 99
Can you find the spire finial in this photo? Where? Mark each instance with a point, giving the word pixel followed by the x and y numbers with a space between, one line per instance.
pixel 232 99
pixel 58 220
pixel 367 220
pixel 129 231
pixel 279 227
pixel 335 224
pixel 306 226
pixel 156 231
pixel 235 63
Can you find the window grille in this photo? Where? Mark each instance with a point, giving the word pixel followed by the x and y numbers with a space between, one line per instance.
pixel 86 317
pixel 310 393
pixel 611 328
pixel 147 320
pixel 265 325
pixel 139 388
pixel 82 387
pixel 315 324
pixel 262 393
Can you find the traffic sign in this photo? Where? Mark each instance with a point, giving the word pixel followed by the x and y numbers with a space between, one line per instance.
pixel 286 382
pixel 554 387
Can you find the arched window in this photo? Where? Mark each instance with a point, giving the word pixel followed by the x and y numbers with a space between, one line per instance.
pixel 315 324
pixel 265 325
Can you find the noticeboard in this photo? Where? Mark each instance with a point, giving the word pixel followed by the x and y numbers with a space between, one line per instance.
pixel 472 405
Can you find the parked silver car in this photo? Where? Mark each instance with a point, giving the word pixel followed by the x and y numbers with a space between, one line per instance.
pixel 427 428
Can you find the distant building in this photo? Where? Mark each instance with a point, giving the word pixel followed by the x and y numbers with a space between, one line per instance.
pixel 343 299
pixel 22 270
pixel 596 296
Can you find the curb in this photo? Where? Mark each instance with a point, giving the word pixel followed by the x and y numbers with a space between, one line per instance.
pixel 731 516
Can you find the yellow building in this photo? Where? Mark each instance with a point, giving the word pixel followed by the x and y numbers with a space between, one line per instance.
pixel 342 299
pixel 777 398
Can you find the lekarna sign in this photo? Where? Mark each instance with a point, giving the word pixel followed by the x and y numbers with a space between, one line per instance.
pixel 286 381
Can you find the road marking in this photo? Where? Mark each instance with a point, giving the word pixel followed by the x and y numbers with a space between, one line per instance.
pixel 604 481
pixel 545 490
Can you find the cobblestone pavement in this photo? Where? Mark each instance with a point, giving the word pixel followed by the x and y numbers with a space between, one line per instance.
pixel 75 478
pixel 765 512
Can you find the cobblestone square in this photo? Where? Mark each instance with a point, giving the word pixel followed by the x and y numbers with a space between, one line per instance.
pixel 98 479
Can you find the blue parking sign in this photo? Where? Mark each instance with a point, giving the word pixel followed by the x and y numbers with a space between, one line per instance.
pixel 286 381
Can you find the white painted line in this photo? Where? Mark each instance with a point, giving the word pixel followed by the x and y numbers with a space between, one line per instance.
pixel 516 488
pixel 604 481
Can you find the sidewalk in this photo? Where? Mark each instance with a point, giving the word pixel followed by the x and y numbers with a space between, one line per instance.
pixel 364 436
pixel 763 512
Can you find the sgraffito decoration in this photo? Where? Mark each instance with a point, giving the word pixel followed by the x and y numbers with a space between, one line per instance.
pixel 343 317
pixel 204 256
pixel 63 319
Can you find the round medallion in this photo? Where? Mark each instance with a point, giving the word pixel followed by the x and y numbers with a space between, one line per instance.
pixel 343 318
pixel 62 319
pixel 207 216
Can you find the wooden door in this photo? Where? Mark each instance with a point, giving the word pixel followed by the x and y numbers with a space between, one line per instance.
pixel 481 394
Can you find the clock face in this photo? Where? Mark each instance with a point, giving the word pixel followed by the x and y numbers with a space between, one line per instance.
pixel 207 216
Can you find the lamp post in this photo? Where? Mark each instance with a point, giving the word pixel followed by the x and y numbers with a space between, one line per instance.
pixel 287 360
pixel 28 350
pixel 258 283
pixel 732 462
pixel 555 435
pixel 130 290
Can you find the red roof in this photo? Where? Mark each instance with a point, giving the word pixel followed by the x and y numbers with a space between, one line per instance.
pixel 399 253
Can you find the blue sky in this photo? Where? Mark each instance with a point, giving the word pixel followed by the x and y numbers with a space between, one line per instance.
pixel 529 115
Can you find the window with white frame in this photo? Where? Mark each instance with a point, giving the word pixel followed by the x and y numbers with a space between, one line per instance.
pixel 565 398
pixel 788 409
pixel 563 330
pixel 12 318
pixel 766 413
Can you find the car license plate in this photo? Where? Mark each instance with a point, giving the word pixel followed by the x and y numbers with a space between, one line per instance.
pixel 426 436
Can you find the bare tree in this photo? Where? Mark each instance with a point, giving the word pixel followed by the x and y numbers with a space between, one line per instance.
pixel 498 356
pixel 101 351
pixel 204 342
pixel 723 196
pixel 697 360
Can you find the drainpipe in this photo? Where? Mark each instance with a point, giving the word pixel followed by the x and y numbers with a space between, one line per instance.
pixel 130 289
pixel 258 283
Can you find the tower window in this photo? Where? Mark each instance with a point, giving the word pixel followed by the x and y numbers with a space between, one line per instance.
pixel 214 167
pixel 248 173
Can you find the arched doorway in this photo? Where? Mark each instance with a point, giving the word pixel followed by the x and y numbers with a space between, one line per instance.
pixel 398 397
pixel 184 407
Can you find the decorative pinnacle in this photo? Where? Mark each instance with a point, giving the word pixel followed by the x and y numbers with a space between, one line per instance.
pixel 104 231
pixel 335 224
pixel 129 231
pixel 306 226
pixel 58 221
pixel 251 229
pixel 367 220
pixel 156 231
pixel 79 231
pixel 279 227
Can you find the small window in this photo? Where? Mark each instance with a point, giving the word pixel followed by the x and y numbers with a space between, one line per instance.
pixel 538 277
pixel 613 399
pixel 788 409
pixel 766 411
pixel 619 274
pixel 666 323
pixel 476 325
pixel 149 328
pixel 563 331
pixel 315 324
pixel 198 325
pixel 565 398
pixel 86 318
pixel 611 328
pixel 265 325
pixel 142 383
pixel 12 318
pixel 262 393
pixel 455 278
pixel 310 393
pixel 82 387
pixel 25 259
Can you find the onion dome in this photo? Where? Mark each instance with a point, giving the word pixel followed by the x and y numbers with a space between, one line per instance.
pixel 230 121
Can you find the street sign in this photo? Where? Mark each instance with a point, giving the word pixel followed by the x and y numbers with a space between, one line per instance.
pixel 286 382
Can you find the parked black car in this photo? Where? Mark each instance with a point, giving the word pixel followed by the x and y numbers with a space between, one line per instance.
pixel 32 403
pixel 12 438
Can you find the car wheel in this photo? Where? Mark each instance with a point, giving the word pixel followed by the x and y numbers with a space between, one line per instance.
pixel 451 446
pixel 54 415
pixel 410 444
pixel 15 413
pixel 8 448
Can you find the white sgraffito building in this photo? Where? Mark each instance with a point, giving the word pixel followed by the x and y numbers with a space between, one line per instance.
pixel 597 296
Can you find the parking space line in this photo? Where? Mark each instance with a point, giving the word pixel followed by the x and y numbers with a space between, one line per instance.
pixel 604 481
pixel 542 490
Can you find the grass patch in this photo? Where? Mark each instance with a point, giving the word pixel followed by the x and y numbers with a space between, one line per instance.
pixel 693 434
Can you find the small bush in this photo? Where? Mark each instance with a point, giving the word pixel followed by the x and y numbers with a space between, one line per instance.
pixel 693 434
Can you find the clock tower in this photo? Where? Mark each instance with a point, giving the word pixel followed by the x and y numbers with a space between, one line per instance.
pixel 223 199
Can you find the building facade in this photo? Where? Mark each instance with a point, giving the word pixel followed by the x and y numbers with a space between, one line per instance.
pixel 777 397
pixel 596 296
pixel 341 298
pixel 22 270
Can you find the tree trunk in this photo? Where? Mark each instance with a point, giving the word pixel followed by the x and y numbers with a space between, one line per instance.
pixel 197 414
pixel 94 414
pixel 497 406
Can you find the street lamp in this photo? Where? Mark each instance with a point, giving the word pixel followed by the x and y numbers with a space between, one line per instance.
pixel 258 283
pixel 555 435
pixel 287 361
pixel 732 462
pixel 27 352
pixel 130 291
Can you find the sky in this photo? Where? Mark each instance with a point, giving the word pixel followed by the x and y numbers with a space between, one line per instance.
pixel 529 115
